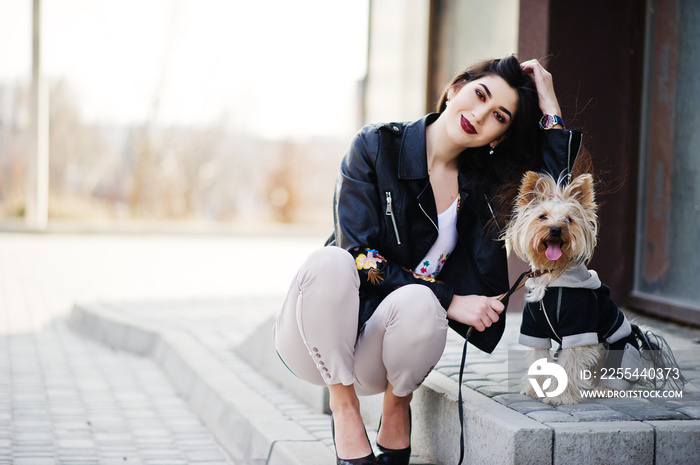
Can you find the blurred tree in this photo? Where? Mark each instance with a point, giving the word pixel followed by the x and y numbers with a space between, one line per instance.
pixel 282 190
pixel 81 160
pixel 13 145
pixel 155 172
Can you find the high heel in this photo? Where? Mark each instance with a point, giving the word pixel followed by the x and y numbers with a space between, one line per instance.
pixel 367 460
pixel 395 456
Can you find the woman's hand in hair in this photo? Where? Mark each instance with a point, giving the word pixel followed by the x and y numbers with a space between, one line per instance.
pixel 545 87
pixel 475 310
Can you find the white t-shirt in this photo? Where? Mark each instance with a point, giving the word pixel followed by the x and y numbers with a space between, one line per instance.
pixel 444 245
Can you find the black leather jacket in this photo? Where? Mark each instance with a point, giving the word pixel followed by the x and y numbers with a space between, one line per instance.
pixel 384 202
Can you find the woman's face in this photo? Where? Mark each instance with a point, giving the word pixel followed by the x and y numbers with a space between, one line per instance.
pixel 480 111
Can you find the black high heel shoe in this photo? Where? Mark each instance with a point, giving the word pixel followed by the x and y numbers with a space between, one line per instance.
pixel 395 456
pixel 367 460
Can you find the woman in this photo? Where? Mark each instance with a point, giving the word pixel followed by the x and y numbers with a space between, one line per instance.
pixel 418 208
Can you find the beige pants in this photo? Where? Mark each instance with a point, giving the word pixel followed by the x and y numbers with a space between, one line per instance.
pixel 316 329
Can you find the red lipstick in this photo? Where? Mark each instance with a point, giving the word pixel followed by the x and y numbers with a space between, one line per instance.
pixel 467 126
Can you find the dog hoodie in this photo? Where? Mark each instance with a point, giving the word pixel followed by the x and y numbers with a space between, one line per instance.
pixel 577 310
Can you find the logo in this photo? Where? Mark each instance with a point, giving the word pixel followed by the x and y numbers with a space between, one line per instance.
pixel 541 368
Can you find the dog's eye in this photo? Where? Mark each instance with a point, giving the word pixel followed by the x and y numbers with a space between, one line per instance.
pixel 543 217
pixel 568 220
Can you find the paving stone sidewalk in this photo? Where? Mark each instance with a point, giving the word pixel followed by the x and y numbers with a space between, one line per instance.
pixel 210 322
pixel 67 399
pixel 490 375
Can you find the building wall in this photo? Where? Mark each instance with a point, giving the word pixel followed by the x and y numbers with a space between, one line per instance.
pixel 464 32
pixel 626 76
pixel 667 262
pixel 595 50
pixel 397 63
pixel 600 54
pixel 417 46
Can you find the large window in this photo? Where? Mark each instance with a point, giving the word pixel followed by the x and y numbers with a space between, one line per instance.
pixel 667 270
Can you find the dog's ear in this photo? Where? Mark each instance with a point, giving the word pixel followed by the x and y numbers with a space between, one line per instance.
pixel 532 187
pixel 581 189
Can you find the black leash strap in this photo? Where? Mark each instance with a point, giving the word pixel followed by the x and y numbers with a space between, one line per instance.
pixel 460 407
pixel 518 284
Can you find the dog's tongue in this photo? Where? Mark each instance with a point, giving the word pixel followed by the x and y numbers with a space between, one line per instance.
pixel 553 251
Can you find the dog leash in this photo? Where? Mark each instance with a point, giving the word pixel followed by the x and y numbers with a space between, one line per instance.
pixel 520 282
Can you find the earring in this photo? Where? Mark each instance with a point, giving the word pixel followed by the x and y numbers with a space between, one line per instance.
pixel 447 102
pixel 491 150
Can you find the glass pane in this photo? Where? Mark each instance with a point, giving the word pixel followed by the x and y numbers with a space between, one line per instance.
pixel 668 249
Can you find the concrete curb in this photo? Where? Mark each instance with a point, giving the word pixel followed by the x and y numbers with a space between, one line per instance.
pixel 259 351
pixel 247 426
pixel 435 414
pixel 494 434
pixel 619 442
pixel 254 431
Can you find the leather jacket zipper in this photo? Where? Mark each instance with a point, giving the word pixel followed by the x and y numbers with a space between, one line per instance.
pixel 437 228
pixel 493 215
pixel 390 212
pixel 428 216
pixel 569 168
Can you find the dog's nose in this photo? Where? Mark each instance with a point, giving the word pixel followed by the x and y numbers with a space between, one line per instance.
pixel 555 232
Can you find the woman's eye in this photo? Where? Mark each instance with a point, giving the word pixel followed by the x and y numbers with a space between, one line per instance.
pixel 479 94
pixel 500 117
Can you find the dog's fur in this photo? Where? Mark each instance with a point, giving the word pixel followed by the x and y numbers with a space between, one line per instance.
pixel 554 228
pixel 544 206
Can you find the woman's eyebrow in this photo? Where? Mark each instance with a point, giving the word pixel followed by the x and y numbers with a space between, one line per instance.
pixel 488 92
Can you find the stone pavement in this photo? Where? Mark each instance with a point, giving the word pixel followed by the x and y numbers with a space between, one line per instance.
pixel 490 376
pixel 661 431
pixel 193 341
pixel 184 303
pixel 68 399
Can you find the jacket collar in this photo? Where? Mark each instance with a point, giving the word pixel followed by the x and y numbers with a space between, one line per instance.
pixel 413 159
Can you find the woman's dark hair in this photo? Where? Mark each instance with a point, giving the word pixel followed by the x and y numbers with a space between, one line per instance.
pixel 499 174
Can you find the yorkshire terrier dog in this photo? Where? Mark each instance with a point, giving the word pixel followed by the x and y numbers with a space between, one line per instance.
pixel 554 229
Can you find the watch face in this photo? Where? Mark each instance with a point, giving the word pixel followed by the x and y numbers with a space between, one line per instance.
pixel 548 121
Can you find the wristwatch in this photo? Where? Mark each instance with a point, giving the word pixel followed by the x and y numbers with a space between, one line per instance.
pixel 549 121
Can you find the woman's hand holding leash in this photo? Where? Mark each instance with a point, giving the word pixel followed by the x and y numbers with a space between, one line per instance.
pixel 477 311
